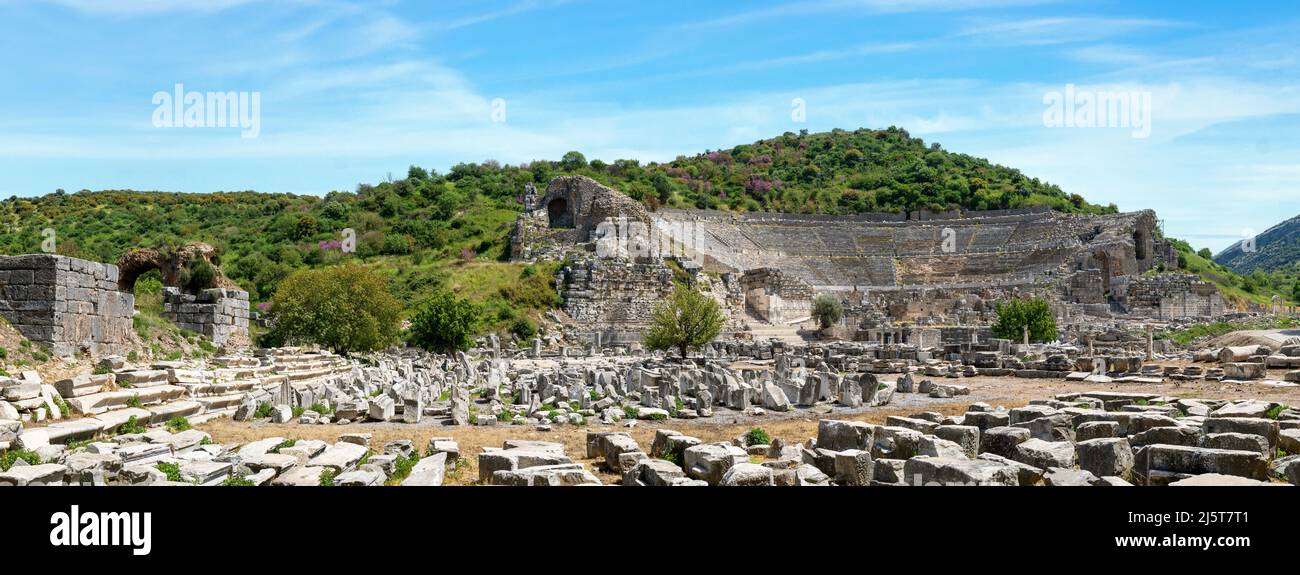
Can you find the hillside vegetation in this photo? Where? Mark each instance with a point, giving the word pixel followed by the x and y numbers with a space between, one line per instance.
pixel 1256 288
pixel 1277 249
pixel 432 232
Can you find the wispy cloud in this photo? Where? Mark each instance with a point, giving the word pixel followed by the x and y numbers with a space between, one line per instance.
pixel 139 7
pixel 793 9
pixel 1049 31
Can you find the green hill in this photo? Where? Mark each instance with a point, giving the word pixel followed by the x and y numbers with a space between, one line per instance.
pixel 1278 248
pixel 432 231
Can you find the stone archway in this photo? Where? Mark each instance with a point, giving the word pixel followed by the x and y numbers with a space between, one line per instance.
pixel 169 264
pixel 558 214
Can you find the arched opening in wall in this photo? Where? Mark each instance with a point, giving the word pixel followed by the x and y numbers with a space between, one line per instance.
pixel 1140 245
pixel 557 211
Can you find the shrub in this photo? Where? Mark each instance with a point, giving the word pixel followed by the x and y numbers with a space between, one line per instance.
pixel 827 310
pixel 65 410
pixel 1276 411
pixel 172 470
pixel 630 412
pixel 198 276
pixel 444 323
pixel 134 402
pixel 178 424
pixel 131 426
pixel 1015 314
pixel 402 467
pixel 283 444
pixel 757 436
pixel 327 478
pixel 346 308
pixel 263 410
pixel 687 319
pixel 8 459
pixel 523 328
pixel 235 481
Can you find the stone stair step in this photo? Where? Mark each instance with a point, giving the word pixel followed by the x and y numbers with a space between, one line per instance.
pixel 211 415
pixel 166 411
pixel 98 403
pixel 83 385
pixel 220 401
pixel 109 421
pixel 143 378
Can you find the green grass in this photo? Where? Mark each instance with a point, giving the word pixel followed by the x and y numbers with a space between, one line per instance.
pixel 283 444
pixel 263 410
pixel 235 481
pixel 630 412
pixel 327 478
pixel 1276 412
pixel 402 467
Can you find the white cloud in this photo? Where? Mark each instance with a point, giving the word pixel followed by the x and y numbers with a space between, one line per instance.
pixel 142 7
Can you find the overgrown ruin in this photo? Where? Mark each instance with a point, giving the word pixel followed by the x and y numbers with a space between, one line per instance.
pixel 890 271
pixel 72 306
pixel 948 402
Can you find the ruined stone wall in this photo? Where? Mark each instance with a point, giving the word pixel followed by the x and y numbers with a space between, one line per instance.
pixel 567 214
pixel 221 314
pixel 67 304
pixel 775 296
pixel 1173 296
pixel 602 293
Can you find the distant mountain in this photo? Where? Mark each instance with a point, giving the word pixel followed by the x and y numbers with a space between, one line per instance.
pixel 1278 248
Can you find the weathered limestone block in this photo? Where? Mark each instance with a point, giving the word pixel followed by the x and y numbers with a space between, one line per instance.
pixel 1002 441
pixel 747 474
pixel 1106 456
pixel 942 471
pixel 1044 454
pixel 709 462
pixel 837 435
pixel 1159 463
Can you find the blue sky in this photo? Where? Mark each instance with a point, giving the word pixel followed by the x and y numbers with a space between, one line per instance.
pixel 353 91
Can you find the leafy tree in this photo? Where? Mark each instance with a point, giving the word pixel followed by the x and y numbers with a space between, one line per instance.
pixel 1205 253
pixel 345 308
pixel 827 310
pixel 686 319
pixel 1015 314
pixel 573 161
pixel 444 323
pixel 1295 291
pixel 198 276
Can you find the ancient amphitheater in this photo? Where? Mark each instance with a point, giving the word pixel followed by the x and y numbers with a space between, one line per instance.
pixel 920 267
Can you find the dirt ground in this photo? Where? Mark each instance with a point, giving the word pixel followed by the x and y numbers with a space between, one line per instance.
pixel 792 427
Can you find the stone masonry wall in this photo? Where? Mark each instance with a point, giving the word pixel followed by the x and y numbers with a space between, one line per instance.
pixel 1173 296
pixel 602 293
pixel 220 314
pixel 67 304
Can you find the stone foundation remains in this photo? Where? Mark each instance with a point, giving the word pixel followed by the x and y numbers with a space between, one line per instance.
pixel 67 304
pixel 221 314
